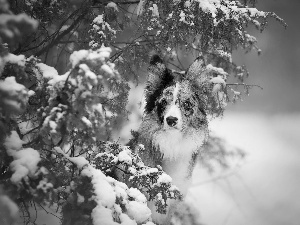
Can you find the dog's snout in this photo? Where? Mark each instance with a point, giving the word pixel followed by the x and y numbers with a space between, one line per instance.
pixel 171 121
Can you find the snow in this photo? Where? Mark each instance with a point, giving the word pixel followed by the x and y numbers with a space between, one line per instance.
pixel 80 198
pixel 209 6
pixel 30 93
pixel 79 161
pixel 13 142
pixel 11 86
pixel 154 10
pixel 78 56
pixel 216 70
pixel 98 19
pixel 91 75
pixel 99 108
pixel 25 160
pixel 140 7
pixel 86 121
pixel 136 194
pixel 124 156
pixel 107 69
pixel 106 190
pixel 125 220
pixel 163 179
pixel 102 216
pixel 16 59
pixel 24 164
pixel 48 72
pixel 59 150
pixel 112 5
pixel 44 185
pixel 182 17
pixel 105 194
pixel 149 223
pixel 138 211
pixel 59 78
pixel 53 127
pixel 218 80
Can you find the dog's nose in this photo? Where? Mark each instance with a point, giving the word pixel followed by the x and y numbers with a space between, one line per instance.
pixel 171 121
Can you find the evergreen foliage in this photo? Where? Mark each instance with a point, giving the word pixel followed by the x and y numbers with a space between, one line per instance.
pixel 64 73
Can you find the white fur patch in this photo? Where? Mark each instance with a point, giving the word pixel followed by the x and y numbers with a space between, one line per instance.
pixel 174 110
pixel 173 144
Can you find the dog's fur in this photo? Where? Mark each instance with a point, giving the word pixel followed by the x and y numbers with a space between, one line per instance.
pixel 174 125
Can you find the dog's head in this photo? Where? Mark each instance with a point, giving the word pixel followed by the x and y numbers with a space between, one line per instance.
pixel 174 98
pixel 175 112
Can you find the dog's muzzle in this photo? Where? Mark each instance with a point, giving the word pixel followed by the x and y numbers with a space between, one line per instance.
pixel 171 121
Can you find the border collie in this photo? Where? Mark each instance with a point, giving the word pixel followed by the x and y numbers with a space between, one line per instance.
pixel 174 126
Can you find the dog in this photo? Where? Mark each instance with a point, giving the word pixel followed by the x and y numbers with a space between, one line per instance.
pixel 174 126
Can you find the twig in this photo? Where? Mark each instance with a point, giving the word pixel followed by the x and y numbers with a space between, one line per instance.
pixel 50 212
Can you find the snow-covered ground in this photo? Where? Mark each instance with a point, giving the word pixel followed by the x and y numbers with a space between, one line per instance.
pixel 265 188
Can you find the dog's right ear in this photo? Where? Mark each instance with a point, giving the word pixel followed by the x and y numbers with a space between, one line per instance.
pixel 157 70
pixel 159 76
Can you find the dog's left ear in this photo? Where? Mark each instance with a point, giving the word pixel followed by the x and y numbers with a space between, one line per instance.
pixel 197 71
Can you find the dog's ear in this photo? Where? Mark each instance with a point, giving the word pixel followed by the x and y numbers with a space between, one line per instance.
pixel 159 76
pixel 157 72
pixel 197 71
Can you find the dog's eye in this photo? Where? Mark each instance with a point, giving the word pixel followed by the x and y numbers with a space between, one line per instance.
pixel 163 102
pixel 187 105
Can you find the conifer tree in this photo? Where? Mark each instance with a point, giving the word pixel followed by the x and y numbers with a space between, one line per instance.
pixel 64 73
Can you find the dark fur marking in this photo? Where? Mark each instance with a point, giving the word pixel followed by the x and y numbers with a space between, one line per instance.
pixel 166 80
pixel 155 59
pixel 160 110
